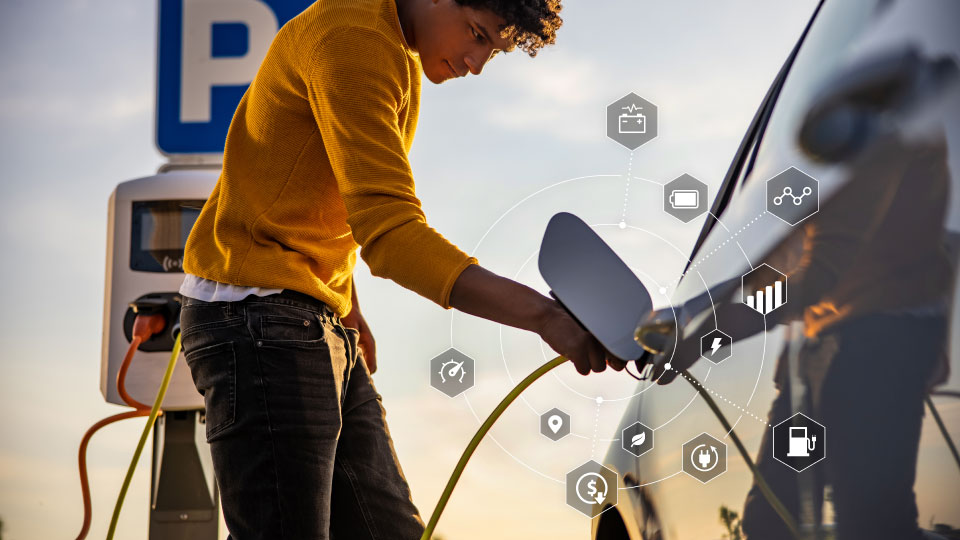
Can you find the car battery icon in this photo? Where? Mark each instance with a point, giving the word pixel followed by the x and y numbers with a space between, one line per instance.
pixel 684 198
pixel 635 122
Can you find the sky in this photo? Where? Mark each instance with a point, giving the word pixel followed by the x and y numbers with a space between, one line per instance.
pixel 494 157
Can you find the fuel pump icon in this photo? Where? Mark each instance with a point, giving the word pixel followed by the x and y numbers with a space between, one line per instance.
pixel 800 444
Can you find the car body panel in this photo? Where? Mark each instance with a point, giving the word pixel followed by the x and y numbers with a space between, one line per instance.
pixel 843 39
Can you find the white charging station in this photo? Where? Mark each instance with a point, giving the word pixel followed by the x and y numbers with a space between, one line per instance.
pixel 149 220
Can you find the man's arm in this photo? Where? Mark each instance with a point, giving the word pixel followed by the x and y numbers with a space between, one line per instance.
pixel 354 94
pixel 355 84
pixel 482 293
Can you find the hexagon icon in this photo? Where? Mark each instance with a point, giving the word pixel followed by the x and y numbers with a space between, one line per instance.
pixel 632 121
pixel 799 442
pixel 637 439
pixel 685 198
pixel 716 346
pixel 793 195
pixel 704 457
pixel 452 372
pixel 555 424
pixel 592 489
pixel 764 289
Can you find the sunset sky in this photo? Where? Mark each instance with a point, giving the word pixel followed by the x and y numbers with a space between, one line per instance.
pixel 495 156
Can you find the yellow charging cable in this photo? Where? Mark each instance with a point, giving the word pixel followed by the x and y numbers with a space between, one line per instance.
pixel 154 411
pixel 471 447
pixel 481 433
pixel 525 383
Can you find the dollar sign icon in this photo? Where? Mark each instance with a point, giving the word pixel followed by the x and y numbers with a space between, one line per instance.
pixel 591 488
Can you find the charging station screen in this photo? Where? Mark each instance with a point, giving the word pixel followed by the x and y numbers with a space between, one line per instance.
pixel 158 234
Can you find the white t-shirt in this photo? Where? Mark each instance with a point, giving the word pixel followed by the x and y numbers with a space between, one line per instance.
pixel 214 291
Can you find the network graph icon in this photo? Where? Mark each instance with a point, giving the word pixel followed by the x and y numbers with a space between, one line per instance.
pixel 793 196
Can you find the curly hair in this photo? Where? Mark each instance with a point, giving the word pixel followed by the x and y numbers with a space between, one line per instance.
pixel 530 24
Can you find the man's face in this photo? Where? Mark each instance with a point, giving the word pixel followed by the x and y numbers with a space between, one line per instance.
pixel 455 40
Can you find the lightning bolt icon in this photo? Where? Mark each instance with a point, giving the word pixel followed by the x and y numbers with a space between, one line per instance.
pixel 716 345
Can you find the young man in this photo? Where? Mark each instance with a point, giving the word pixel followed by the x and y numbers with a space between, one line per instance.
pixel 315 166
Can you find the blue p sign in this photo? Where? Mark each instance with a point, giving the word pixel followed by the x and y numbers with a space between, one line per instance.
pixel 208 53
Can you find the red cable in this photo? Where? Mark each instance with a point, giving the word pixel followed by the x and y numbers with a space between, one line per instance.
pixel 122 376
pixel 144 327
pixel 82 457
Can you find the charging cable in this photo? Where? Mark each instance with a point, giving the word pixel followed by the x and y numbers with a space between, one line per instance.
pixel 768 494
pixel 525 383
pixel 154 411
pixel 943 427
pixel 480 434
pixel 145 326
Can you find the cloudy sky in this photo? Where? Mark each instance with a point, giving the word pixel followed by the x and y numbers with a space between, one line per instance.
pixel 495 156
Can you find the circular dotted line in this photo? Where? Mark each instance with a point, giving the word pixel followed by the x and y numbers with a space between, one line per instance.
pixel 748 413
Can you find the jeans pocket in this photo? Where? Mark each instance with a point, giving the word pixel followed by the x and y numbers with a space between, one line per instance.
pixel 214 372
pixel 295 328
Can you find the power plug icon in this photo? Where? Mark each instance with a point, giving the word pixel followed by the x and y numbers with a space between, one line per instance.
pixel 704 458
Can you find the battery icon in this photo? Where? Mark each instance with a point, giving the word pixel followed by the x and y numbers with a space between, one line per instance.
pixel 684 199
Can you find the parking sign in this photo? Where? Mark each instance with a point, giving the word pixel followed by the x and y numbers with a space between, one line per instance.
pixel 208 52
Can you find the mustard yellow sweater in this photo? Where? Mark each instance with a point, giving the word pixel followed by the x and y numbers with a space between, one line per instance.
pixel 315 166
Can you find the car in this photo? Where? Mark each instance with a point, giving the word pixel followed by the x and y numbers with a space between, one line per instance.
pixel 856 144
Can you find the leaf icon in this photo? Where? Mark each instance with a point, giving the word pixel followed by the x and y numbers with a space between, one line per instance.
pixel 638 439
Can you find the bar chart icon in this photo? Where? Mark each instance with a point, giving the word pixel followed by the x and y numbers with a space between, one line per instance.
pixel 764 289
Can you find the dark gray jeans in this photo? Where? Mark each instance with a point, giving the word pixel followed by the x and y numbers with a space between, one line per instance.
pixel 296 428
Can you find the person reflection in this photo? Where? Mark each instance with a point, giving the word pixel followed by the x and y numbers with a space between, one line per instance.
pixel 870 276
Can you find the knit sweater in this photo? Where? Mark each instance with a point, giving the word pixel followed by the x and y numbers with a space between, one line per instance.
pixel 315 166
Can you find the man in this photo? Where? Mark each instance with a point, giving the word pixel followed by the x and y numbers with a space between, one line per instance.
pixel 315 166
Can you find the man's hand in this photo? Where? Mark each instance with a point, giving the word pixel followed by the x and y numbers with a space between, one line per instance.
pixel 367 344
pixel 481 293
pixel 355 319
pixel 564 335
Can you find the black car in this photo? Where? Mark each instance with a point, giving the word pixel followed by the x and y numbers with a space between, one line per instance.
pixel 864 119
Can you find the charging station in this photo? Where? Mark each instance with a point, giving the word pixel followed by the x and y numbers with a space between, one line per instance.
pixel 208 52
pixel 149 220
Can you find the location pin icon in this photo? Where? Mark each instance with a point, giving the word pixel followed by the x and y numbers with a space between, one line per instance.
pixel 555 422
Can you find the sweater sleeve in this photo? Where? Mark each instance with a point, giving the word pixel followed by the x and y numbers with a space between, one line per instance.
pixel 355 84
